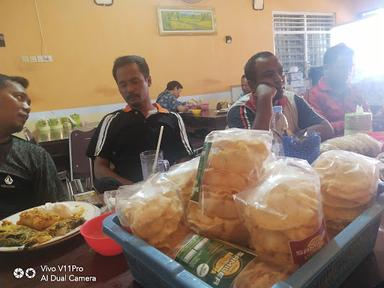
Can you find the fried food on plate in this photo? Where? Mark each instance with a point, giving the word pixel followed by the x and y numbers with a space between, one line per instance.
pixel 17 235
pixel 38 219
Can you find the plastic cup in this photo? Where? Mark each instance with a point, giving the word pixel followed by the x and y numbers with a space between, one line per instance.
pixel 147 158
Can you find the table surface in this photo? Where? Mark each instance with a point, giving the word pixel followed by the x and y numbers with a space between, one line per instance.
pixel 206 114
pixel 74 254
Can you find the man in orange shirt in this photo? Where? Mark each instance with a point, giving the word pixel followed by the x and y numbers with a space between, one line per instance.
pixel 333 96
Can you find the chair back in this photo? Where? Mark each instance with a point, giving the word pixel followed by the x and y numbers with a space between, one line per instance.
pixel 80 164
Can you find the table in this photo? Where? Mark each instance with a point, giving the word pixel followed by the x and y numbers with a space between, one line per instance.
pixel 198 127
pixel 114 271
pixel 209 120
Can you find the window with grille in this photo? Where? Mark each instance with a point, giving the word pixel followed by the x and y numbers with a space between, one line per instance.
pixel 301 39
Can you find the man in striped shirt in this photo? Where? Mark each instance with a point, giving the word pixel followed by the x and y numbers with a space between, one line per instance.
pixel 254 110
pixel 122 135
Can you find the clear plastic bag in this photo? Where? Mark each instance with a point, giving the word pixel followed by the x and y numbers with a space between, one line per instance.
pixel 260 274
pixel 154 212
pixel 183 175
pixel 348 186
pixel 283 214
pixel 359 143
pixel 109 197
pixel 232 160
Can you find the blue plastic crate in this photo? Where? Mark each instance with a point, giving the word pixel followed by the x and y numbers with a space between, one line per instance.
pixel 327 269
pixel 307 148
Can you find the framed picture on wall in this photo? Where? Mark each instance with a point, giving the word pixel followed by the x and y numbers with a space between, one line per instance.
pixel 176 21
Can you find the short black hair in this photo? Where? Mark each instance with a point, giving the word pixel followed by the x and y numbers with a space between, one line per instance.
pixel 174 84
pixel 332 53
pixel 18 79
pixel 315 73
pixel 250 69
pixel 131 59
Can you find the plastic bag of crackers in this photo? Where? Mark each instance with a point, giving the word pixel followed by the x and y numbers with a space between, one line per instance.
pixel 348 186
pixel 283 214
pixel 232 160
pixel 154 213
pixel 359 143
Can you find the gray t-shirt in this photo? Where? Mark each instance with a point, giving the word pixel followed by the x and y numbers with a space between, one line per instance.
pixel 28 177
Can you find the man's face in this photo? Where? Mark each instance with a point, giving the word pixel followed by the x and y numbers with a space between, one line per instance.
pixel 133 87
pixel 270 71
pixel 14 107
pixel 338 73
pixel 245 86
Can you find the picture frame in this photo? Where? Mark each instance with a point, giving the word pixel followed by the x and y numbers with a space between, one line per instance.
pixel 186 21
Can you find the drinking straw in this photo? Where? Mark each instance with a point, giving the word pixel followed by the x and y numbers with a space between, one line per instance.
pixel 157 149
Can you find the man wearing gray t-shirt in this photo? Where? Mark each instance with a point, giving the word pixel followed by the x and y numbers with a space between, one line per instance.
pixel 28 175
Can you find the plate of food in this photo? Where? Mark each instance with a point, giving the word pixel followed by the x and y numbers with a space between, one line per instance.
pixel 44 225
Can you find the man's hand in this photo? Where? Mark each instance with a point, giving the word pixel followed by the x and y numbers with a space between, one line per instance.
pixel 265 92
pixel 102 168
pixel 264 95
pixel 182 108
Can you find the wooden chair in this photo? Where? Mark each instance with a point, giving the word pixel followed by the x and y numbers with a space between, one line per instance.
pixel 81 167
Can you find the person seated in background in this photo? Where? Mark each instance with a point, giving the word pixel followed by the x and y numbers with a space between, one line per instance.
pixel 245 94
pixel 122 135
pixel 266 80
pixel 333 95
pixel 28 176
pixel 315 74
pixel 244 86
pixel 168 98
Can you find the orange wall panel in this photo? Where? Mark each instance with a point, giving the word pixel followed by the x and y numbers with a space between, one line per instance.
pixel 84 39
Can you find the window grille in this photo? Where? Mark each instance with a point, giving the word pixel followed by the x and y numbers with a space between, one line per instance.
pixel 301 39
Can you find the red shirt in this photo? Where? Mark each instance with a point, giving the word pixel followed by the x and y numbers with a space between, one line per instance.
pixel 322 99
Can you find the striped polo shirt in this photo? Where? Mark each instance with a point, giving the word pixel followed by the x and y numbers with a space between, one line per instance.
pixel 122 135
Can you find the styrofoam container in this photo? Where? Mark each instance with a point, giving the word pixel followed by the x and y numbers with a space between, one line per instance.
pixel 327 269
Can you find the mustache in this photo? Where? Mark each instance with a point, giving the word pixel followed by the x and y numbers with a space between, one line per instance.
pixel 129 96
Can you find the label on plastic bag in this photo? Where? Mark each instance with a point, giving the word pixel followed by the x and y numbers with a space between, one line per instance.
pixel 304 249
pixel 196 192
pixel 216 263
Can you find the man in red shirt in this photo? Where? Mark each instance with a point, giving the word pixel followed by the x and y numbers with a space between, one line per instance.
pixel 333 96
